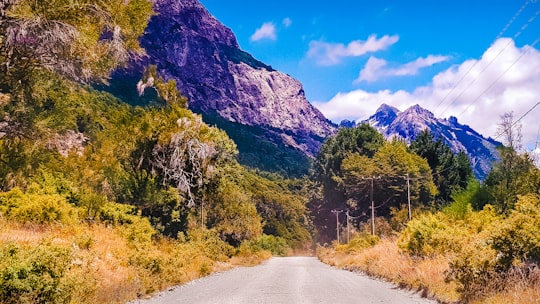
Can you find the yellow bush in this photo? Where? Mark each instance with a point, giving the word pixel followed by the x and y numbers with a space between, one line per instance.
pixel 37 208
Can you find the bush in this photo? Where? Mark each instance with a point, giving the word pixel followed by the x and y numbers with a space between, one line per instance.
pixel 475 271
pixel 429 235
pixel 37 208
pixel 211 244
pixel 34 275
pixel 517 239
pixel 276 245
pixel 358 243
pixel 118 214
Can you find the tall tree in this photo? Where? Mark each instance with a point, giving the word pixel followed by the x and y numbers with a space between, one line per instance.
pixel 515 174
pixel 329 193
pixel 451 172
pixel 383 178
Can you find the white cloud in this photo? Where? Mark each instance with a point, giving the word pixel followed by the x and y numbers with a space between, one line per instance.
pixel 478 92
pixel 326 53
pixel 375 68
pixel 287 22
pixel 266 31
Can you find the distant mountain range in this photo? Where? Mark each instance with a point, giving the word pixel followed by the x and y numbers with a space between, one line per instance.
pixel 408 124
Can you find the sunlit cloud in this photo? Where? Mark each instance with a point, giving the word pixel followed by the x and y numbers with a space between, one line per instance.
pixel 376 68
pixel 266 31
pixel 478 91
pixel 325 53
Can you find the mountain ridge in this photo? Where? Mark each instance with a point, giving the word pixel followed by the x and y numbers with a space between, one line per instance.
pixel 224 83
pixel 406 125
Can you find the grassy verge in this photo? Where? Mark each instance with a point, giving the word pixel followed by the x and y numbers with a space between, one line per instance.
pixel 428 275
pixel 385 261
pixel 99 263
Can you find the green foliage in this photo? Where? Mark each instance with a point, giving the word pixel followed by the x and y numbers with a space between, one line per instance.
pixel 514 175
pixel 363 140
pixel 387 171
pixel 451 172
pixel 118 214
pixel 282 205
pixel 517 239
pixel 37 208
pixel 276 245
pixel 358 243
pixel 233 215
pixel 428 235
pixel 88 38
pixel 34 274
pixel 475 271
pixel 210 243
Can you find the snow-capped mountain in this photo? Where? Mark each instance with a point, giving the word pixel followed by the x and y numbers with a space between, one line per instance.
pixel 409 123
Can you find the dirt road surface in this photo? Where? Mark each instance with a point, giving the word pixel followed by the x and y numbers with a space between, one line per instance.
pixel 286 280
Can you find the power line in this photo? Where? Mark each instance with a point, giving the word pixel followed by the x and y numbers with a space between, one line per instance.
pixel 498 78
pixel 517 121
pixel 508 24
pixel 488 65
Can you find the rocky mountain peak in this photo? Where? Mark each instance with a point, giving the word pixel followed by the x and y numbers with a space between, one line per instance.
pixel 228 86
pixel 383 117
pixel 194 17
pixel 409 123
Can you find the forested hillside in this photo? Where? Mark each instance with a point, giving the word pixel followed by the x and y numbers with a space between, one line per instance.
pixel 457 240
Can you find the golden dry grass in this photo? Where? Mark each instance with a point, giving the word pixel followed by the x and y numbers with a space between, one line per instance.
pixel 107 268
pixel 385 261
pixel 427 275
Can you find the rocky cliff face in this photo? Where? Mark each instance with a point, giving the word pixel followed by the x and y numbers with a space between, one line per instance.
pixel 409 123
pixel 224 83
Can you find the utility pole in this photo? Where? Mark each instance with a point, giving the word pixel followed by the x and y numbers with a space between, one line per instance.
pixel 348 229
pixel 409 196
pixel 372 208
pixel 337 212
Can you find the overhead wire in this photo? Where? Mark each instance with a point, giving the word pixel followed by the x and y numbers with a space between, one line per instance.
pixel 505 28
pixel 500 76
pixel 470 84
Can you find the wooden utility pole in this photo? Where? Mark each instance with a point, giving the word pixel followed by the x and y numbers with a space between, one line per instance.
pixel 372 208
pixel 337 212
pixel 409 196
pixel 348 228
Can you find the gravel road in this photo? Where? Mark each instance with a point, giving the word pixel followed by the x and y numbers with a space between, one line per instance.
pixel 286 280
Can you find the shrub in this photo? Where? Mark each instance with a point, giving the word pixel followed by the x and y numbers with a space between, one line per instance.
pixel 475 271
pixel 118 214
pixel 358 243
pixel 517 239
pixel 34 275
pixel 429 235
pixel 276 245
pixel 211 244
pixel 37 208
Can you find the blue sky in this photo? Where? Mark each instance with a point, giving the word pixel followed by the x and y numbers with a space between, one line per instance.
pixel 467 58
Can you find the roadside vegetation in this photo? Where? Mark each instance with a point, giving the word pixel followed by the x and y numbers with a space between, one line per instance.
pixel 102 201
pixel 467 242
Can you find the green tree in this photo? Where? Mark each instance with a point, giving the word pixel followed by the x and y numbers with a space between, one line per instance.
pixel 387 170
pixel 451 172
pixel 328 194
pixel 515 174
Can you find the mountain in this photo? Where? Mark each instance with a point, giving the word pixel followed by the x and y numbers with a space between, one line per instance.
pixel 263 110
pixel 408 124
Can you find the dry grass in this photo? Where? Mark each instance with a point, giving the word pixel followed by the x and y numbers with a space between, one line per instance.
pixel 107 268
pixel 385 261
pixel 427 275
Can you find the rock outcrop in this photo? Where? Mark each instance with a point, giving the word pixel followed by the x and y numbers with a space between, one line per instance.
pixel 224 83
